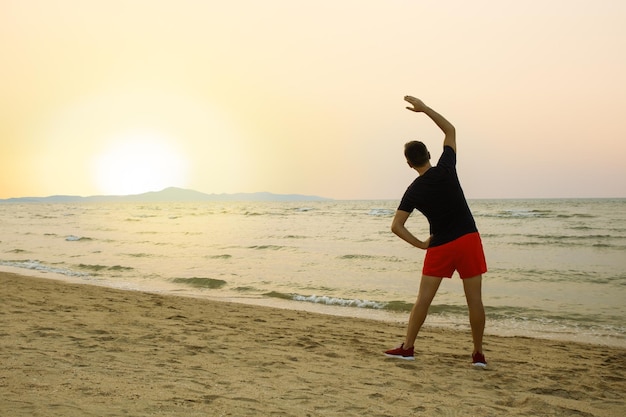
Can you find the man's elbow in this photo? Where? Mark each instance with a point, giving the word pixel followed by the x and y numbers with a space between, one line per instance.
pixel 395 228
pixel 450 139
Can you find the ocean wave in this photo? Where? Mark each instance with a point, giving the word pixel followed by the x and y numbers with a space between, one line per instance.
pixel 370 257
pixel 295 237
pixel 72 238
pixel 328 300
pixel 559 275
pixel 575 215
pixel 397 306
pixel 97 268
pixel 596 241
pixel 38 266
pixel 17 251
pixel 223 256
pixel 357 256
pixel 344 302
pixel 532 213
pixel 521 213
pixel 381 212
pixel 210 283
pixel 270 247
pixel 246 288
pixel 571 237
pixel 500 316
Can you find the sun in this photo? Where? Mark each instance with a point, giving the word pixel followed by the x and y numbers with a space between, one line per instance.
pixel 135 162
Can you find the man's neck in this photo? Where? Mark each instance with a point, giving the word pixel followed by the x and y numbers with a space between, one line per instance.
pixel 421 170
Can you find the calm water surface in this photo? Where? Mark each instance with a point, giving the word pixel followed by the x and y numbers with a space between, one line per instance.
pixel 556 267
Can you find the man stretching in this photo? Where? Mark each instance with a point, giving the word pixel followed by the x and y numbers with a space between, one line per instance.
pixel 454 243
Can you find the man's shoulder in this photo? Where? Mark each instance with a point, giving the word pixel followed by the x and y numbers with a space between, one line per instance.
pixel 448 151
pixel 448 157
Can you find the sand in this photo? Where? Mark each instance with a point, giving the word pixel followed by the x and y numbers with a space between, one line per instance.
pixel 82 350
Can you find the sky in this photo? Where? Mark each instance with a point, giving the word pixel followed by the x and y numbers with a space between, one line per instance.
pixel 306 97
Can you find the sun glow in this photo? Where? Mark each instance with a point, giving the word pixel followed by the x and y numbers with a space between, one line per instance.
pixel 139 161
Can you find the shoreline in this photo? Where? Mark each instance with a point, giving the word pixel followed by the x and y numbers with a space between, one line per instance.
pixel 494 328
pixel 76 349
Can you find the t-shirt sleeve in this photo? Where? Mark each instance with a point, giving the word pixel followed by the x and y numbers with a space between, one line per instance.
pixel 406 204
pixel 447 158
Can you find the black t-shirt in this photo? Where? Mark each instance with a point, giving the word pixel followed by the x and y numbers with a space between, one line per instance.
pixel 437 194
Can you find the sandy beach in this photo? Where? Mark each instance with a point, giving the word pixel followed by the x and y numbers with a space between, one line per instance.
pixel 82 350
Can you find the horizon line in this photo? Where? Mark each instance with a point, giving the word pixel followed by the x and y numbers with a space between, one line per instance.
pixel 269 193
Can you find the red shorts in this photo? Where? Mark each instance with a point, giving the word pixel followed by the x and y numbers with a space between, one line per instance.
pixel 464 255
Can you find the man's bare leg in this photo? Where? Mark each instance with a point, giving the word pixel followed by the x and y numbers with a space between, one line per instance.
pixel 428 289
pixel 473 294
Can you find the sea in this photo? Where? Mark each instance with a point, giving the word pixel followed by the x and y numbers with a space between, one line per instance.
pixel 557 267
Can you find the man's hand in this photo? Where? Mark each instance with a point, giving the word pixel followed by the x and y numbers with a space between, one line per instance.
pixel 418 105
pixel 440 121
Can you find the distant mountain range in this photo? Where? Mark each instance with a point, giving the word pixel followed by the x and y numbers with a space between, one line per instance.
pixel 171 194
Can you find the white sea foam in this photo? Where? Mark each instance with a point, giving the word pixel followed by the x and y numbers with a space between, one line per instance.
pixel 323 299
pixel 381 212
pixel 38 266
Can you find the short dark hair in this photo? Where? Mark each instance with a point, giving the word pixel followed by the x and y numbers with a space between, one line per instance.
pixel 416 153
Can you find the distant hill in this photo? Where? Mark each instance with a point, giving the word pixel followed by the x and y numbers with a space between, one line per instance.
pixel 171 194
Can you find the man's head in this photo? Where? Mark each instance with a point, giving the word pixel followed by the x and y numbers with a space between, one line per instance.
pixel 416 154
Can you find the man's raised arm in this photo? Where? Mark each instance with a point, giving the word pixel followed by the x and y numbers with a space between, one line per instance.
pixel 447 127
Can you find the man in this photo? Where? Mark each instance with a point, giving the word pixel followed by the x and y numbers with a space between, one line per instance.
pixel 454 243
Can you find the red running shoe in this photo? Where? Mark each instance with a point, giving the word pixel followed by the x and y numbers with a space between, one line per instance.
pixel 401 353
pixel 478 360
